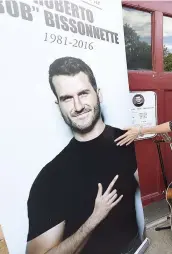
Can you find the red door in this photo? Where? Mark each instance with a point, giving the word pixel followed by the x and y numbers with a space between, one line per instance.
pixel 148 29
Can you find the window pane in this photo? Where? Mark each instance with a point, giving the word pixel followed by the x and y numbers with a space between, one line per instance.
pixel 137 32
pixel 167 41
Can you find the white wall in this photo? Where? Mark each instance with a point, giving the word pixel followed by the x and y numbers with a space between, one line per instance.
pixel 31 129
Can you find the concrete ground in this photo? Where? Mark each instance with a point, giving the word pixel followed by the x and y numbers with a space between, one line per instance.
pixel 161 241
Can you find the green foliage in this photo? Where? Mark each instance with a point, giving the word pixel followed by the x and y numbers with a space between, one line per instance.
pixel 139 53
pixel 168 62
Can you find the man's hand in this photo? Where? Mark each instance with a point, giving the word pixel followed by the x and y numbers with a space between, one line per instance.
pixel 127 138
pixel 104 203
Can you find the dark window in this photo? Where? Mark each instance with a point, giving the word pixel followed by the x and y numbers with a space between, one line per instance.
pixel 137 32
pixel 167 41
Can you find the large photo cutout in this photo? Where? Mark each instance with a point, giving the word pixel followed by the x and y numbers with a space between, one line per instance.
pixel 66 185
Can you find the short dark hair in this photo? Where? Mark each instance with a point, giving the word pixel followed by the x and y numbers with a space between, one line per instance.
pixel 70 66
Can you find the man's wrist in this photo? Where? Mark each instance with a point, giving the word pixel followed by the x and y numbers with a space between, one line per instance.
pixel 92 222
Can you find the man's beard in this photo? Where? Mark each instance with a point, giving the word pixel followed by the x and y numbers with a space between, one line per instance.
pixel 84 128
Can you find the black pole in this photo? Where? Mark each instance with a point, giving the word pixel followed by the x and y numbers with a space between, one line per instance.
pixel 162 165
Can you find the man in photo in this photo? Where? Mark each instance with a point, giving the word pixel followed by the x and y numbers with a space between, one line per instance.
pixel 83 201
pixel 138 100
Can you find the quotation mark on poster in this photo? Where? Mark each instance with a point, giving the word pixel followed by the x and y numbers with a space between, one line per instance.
pixel 35 9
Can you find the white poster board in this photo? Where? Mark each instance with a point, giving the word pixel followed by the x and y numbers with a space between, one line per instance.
pixel 32 131
pixel 144 110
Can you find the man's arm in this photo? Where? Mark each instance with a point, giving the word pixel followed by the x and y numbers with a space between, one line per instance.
pixel 133 132
pixel 51 241
pixel 47 240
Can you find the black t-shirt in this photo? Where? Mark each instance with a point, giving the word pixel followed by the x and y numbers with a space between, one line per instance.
pixel 66 188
